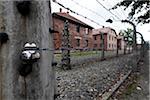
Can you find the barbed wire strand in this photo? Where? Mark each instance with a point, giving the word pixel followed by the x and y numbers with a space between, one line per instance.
pixel 107 9
pixel 67 8
pixel 88 9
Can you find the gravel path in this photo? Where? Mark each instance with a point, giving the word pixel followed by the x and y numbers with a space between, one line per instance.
pixel 87 82
pixel 137 87
pixel 77 60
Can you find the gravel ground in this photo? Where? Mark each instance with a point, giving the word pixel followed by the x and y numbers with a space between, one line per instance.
pixel 78 60
pixel 136 87
pixel 89 81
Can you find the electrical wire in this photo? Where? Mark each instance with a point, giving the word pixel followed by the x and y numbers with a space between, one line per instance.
pixel 119 13
pixel 88 9
pixel 67 8
pixel 123 12
pixel 107 9
pixel 116 12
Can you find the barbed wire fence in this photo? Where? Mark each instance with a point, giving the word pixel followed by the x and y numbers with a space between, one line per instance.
pixel 68 55
pixel 65 61
pixel 72 56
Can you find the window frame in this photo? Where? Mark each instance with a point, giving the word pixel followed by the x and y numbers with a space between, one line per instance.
pixel 87 43
pixel 78 28
pixel 87 30
pixel 78 42
pixel 95 37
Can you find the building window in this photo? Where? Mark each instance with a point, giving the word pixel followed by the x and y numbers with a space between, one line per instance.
pixel 78 42
pixel 95 45
pixel 112 45
pixel 101 45
pixel 101 36
pixel 109 45
pixel 112 38
pixel 87 42
pixel 109 37
pixel 78 28
pixel 86 31
pixel 95 37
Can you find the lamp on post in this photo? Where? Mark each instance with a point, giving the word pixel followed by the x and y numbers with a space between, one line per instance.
pixel 109 20
pixel 134 29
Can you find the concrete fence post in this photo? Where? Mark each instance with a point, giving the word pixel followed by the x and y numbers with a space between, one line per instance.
pixel 65 47
pixel 103 46
pixel 25 21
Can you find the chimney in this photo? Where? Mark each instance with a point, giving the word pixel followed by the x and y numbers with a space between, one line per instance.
pixel 103 26
pixel 60 9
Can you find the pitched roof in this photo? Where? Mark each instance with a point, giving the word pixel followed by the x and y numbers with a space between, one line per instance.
pixel 66 16
pixel 103 30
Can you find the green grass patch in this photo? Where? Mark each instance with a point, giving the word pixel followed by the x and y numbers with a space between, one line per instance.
pixel 84 53
pixel 80 53
pixel 131 88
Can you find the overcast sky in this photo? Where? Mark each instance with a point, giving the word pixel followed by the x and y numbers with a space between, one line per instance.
pixel 93 10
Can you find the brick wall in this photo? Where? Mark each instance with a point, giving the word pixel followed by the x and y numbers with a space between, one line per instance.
pixel 97 42
pixel 105 42
pixel 121 42
pixel 58 25
pixel 110 40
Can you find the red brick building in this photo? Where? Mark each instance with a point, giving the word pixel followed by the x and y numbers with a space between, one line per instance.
pixel 97 40
pixel 110 38
pixel 121 43
pixel 80 33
